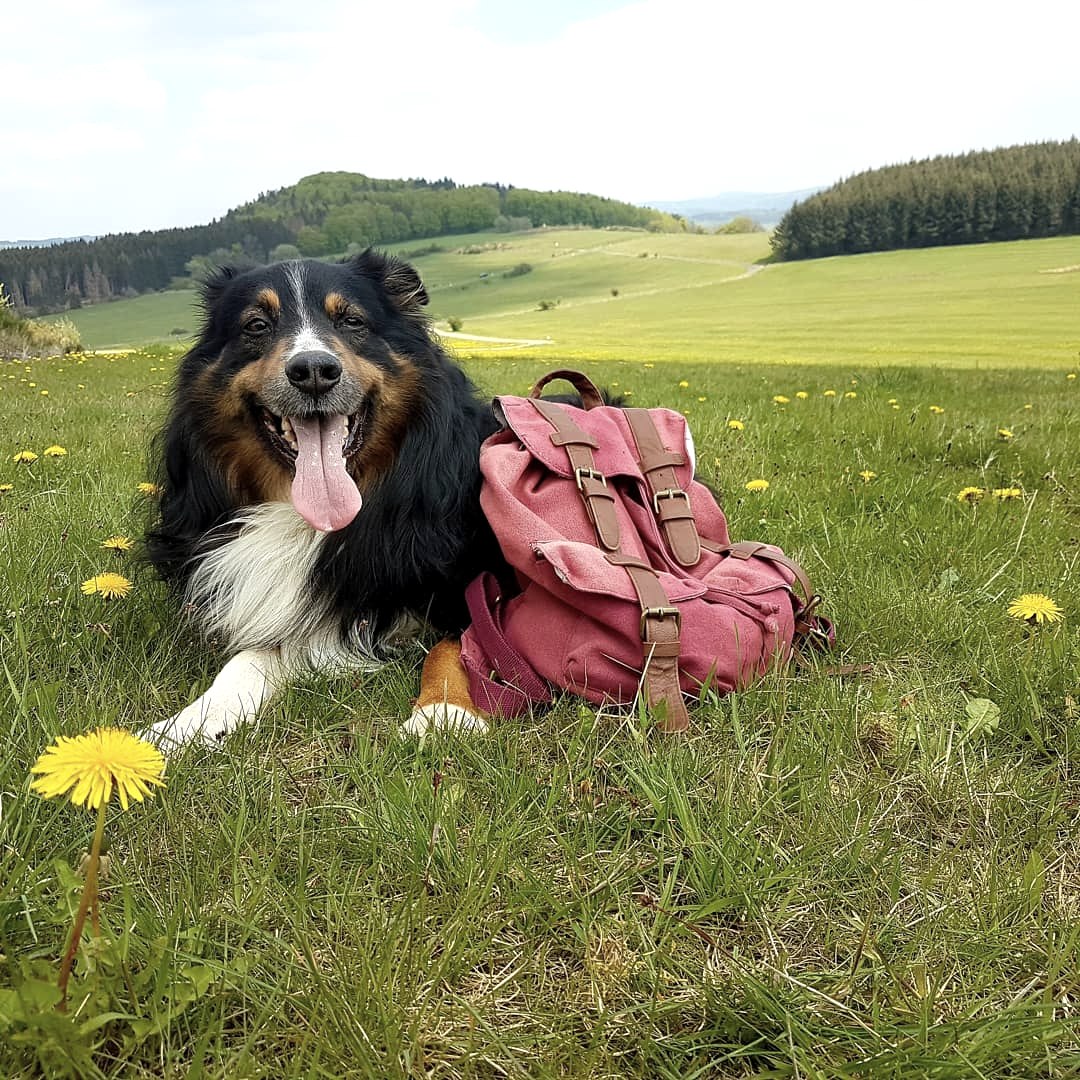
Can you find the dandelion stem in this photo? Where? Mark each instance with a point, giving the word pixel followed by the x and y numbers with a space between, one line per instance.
pixel 89 897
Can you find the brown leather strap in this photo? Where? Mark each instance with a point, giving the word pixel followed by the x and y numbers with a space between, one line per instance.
pixel 746 549
pixel 661 623
pixel 579 445
pixel 590 396
pixel 660 620
pixel 671 503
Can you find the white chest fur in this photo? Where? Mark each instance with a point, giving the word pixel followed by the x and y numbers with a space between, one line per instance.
pixel 255 590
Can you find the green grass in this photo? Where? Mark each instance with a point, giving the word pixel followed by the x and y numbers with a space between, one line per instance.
pixel 831 877
pixel 683 298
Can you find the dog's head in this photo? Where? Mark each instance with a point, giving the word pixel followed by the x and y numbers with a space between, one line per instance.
pixel 304 378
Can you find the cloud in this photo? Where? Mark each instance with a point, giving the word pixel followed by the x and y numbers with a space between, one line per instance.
pixel 176 112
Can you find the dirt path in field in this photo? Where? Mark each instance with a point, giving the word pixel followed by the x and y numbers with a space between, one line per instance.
pixel 459 336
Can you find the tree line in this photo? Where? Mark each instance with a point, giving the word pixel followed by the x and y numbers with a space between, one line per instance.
pixel 1013 193
pixel 321 215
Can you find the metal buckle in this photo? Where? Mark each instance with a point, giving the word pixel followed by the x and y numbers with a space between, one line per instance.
pixel 581 473
pixel 659 613
pixel 668 493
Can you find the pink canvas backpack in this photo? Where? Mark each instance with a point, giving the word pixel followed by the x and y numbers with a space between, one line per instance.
pixel 627 580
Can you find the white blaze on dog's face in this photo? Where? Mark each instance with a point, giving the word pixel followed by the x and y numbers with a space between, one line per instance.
pixel 310 386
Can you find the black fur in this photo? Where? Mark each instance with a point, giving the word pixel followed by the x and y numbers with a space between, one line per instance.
pixel 420 535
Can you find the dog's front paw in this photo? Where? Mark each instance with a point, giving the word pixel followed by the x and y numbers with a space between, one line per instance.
pixel 441 716
pixel 204 721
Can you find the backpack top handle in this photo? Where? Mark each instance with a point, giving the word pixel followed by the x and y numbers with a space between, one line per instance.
pixel 590 396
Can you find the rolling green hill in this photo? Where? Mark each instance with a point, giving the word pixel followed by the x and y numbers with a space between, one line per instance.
pixel 701 298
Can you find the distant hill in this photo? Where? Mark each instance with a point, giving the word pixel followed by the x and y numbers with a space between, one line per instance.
pixel 324 214
pixel 42 243
pixel 766 208
pixel 1010 193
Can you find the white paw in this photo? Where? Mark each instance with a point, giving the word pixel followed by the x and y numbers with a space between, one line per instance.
pixel 440 716
pixel 205 720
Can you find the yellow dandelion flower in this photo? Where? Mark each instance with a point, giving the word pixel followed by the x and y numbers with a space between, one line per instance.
pixel 5 488
pixel 802 395
pixel 1029 406
pixel 1035 608
pixel 25 457
pixel 851 394
pixel 33 384
pixel 702 399
pixel 683 384
pixel 107 586
pixel 892 401
pixel 868 475
pixel 781 400
pixel 88 767
pixel 736 425
pixel 44 393
pixel 1007 493
pixel 970 494
pixel 829 393
pixel 1005 433
pixel 757 485
pixel 1071 375
pixel 54 451
pixel 118 543
pixel 937 410
pixel 650 365
pixel 150 490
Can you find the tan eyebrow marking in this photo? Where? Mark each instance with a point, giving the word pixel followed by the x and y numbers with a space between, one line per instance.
pixel 269 300
pixel 335 305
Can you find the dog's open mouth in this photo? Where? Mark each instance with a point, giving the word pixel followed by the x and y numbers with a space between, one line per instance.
pixel 317 448
pixel 283 434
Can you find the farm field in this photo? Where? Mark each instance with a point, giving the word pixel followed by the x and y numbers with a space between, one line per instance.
pixel 696 299
pixel 870 876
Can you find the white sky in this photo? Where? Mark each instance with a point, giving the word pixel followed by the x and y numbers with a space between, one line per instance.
pixel 125 115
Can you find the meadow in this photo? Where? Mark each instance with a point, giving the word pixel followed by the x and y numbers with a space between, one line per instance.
pixel 865 876
pixel 706 298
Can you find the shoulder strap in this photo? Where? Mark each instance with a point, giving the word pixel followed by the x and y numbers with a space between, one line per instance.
pixel 671 504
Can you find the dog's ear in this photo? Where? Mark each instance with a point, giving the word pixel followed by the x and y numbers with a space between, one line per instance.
pixel 398 278
pixel 213 286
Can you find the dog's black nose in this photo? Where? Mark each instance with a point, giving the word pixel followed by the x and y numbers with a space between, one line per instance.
pixel 313 372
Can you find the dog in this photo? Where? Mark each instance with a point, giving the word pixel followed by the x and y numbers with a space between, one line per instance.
pixel 319 487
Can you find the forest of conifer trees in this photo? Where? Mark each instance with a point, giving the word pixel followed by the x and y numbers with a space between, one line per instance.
pixel 1008 194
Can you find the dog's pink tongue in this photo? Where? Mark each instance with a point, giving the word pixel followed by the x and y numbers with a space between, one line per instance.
pixel 322 491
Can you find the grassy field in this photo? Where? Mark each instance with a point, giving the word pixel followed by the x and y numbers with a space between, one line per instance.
pixel 688 298
pixel 866 877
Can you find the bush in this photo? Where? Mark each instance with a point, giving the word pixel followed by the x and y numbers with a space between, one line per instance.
pixel 179 331
pixel 504 223
pixel 284 253
pixel 614 292
pixel 547 305
pixel 455 323
pixel 740 224
pixel 21 337
pixel 520 270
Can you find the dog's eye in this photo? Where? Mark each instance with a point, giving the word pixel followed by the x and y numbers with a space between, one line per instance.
pixel 352 321
pixel 256 326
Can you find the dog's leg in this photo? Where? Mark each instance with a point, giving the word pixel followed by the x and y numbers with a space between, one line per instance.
pixel 244 684
pixel 444 700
